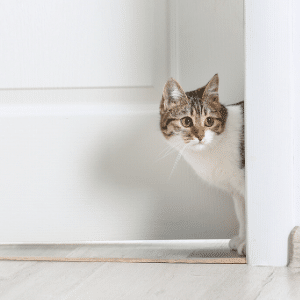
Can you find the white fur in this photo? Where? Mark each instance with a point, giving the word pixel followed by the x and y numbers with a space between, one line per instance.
pixel 175 93
pixel 216 159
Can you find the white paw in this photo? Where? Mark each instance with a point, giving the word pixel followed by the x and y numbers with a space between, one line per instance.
pixel 234 243
pixel 242 248
pixel 238 244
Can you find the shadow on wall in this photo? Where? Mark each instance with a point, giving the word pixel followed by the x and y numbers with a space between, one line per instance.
pixel 181 205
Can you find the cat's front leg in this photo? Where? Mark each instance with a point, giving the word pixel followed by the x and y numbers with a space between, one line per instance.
pixel 238 242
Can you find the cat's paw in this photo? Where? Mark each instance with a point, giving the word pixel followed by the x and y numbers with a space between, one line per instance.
pixel 242 248
pixel 238 244
pixel 234 243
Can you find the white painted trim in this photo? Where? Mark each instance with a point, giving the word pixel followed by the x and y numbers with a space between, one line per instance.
pixel 269 140
pixel 76 110
pixel 78 88
pixel 296 107
pixel 129 242
pixel 293 100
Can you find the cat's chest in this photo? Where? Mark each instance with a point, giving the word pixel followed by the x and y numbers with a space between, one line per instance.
pixel 218 168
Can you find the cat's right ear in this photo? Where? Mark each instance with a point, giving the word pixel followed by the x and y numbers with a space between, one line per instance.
pixel 173 95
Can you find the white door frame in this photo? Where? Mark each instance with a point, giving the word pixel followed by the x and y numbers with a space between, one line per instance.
pixel 269 99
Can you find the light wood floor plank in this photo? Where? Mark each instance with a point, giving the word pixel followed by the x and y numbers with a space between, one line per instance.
pixel 224 282
pixel 68 281
pixel 45 280
pixel 282 283
pixel 38 280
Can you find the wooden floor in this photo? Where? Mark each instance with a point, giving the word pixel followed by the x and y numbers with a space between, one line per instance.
pixel 106 280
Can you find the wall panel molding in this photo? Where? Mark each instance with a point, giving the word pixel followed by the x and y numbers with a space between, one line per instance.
pixel 77 43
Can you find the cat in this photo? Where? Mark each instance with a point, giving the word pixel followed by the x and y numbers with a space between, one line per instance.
pixel 210 137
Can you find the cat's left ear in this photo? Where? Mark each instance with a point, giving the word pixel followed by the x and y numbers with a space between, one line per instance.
pixel 173 95
pixel 212 87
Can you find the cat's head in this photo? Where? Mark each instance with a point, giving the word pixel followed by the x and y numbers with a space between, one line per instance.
pixel 193 118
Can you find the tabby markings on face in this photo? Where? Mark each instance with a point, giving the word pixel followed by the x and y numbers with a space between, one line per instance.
pixel 194 116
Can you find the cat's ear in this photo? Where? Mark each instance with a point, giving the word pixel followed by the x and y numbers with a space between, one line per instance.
pixel 173 95
pixel 212 87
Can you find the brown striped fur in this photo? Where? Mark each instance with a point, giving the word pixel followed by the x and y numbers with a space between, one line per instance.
pixel 198 105
pixel 242 141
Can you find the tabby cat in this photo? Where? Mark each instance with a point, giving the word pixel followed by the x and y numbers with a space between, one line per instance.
pixel 210 136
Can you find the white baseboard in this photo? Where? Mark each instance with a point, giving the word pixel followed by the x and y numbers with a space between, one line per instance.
pixel 130 242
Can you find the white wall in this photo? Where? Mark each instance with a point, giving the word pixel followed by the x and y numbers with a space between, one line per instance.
pixel 210 41
pixel 83 164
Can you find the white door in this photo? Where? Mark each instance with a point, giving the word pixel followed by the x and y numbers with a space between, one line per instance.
pixel 82 157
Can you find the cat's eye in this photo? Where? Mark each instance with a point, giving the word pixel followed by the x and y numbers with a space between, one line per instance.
pixel 187 122
pixel 209 122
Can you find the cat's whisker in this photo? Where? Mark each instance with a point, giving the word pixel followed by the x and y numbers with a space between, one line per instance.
pixel 166 152
pixel 177 160
pixel 170 149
